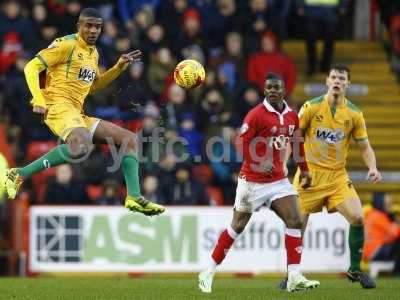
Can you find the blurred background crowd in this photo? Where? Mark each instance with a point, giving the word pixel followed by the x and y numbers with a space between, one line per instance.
pixel 238 42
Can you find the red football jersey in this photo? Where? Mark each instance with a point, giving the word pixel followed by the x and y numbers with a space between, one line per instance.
pixel 264 136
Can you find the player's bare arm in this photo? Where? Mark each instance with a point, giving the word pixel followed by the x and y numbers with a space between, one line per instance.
pixel 368 154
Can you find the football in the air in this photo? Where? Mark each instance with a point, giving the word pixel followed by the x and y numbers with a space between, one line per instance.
pixel 189 74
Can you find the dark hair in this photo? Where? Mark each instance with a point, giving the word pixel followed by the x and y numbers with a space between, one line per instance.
pixel 341 68
pixel 90 12
pixel 273 76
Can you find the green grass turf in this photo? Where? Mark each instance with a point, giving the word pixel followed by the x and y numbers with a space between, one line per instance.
pixel 185 287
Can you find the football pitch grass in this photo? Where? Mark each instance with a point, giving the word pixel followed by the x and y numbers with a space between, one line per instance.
pixel 185 287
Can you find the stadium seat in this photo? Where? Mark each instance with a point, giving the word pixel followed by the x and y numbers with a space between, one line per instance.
pixel 35 149
pixel 40 181
pixel 202 173
pixel 215 195
pixel 134 125
pixel 93 192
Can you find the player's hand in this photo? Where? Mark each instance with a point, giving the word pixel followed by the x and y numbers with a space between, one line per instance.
pixel 305 179
pixel 40 111
pixel 126 59
pixel 374 176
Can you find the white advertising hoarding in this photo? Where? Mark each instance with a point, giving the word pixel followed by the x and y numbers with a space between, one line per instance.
pixel 110 239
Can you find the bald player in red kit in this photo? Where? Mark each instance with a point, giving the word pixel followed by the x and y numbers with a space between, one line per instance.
pixel 265 134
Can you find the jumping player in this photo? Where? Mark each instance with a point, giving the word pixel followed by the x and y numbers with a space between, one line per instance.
pixel 72 73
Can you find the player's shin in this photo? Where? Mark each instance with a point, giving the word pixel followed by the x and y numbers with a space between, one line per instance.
pixel 293 243
pixel 356 243
pixel 57 156
pixel 130 167
pixel 225 242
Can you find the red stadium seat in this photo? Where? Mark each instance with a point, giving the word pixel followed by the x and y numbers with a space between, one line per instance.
pixel 93 191
pixel 40 181
pixel 215 195
pixel 36 149
pixel 395 33
pixel 202 173
pixel 134 125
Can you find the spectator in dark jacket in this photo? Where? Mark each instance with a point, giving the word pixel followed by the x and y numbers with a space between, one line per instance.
pixel 320 17
pixel 110 193
pixel 186 191
pixel 190 133
pixel 65 189
pixel 151 190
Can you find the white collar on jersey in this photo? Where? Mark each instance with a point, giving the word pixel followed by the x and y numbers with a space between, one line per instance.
pixel 271 109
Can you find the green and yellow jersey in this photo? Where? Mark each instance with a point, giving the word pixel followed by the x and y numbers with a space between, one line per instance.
pixel 71 67
pixel 328 131
pixel 72 72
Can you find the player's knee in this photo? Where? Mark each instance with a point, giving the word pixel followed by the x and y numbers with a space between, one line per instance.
pixel 357 220
pixel 130 140
pixel 293 222
pixel 79 143
pixel 238 226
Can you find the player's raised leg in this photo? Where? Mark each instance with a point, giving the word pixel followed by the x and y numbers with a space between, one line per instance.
pixel 225 242
pixel 288 210
pixel 351 209
pixel 126 141
pixel 78 144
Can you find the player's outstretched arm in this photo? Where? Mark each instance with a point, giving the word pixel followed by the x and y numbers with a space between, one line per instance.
pixel 103 80
pixel 368 155
pixel 32 70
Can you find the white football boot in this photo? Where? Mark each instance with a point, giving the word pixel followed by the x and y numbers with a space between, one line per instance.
pixel 300 283
pixel 205 281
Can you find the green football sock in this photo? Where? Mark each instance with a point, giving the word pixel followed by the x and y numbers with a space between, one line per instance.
pixel 356 243
pixel 130 167
pixel 56 156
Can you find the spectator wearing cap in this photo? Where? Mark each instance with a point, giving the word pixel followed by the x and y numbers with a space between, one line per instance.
pixel 271 60
pixel 10 49
pixel 191 33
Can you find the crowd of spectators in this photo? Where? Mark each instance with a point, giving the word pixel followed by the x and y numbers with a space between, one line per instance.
pixel 238 42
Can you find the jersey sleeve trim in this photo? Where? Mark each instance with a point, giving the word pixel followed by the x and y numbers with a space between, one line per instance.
pixel 361 139
pixel 42 60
